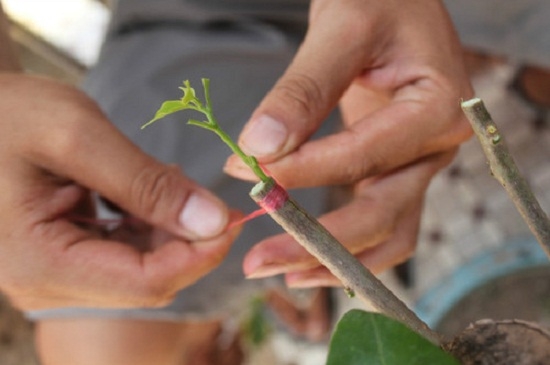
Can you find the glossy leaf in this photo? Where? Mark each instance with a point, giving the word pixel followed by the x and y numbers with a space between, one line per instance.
pixel 366 338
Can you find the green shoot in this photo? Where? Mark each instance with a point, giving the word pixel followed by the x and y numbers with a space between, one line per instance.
pixel 189 101
pixel 255 327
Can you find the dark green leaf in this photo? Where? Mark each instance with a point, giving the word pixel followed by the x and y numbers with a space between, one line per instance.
pixel 365 338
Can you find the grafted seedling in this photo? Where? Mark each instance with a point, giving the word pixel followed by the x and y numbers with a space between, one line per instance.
pixel 190 101
pixel 304 228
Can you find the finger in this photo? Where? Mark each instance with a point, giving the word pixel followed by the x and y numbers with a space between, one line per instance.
pixel 369 219
pixel 76 141
pixel 377 259
pixel 373 145
pixel 282 254
pixel 310 87
pixel 156 193
pixel 106 273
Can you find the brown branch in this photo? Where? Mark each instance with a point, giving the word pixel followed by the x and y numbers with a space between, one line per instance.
pixel 342 264
pixel 504 169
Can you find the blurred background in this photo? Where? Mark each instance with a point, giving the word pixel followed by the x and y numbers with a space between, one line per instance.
pixel 476 257
pixel 58 38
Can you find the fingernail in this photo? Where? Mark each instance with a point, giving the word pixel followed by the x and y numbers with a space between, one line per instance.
pixel 309 279
pixel 203 216
pixel 265 271
pixel 264 136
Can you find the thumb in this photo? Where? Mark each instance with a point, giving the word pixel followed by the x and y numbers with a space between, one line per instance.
pixel 102 159
pixel 324 66
pixel 164 197
pixel 161 195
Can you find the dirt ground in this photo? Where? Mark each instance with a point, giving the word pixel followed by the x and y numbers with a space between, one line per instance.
pixel 16 337
pixel 521 295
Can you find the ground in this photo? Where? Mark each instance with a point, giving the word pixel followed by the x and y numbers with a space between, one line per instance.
pixel 16 344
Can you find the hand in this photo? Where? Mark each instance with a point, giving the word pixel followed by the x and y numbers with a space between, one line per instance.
pixel 379 226
pixel 396 69
pixel 55 148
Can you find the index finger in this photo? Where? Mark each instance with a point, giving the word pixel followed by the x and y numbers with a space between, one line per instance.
pixel 382 141
pixel 332 54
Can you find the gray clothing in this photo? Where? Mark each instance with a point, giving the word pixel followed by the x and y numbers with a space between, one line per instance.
pixel 516 29
pixel 201 11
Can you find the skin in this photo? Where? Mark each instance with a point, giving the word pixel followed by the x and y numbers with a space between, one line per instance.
pixel 395 68
pixel 49 258
pixel 56 147
pixel 51 161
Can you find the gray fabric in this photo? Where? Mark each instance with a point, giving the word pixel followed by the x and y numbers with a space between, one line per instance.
pixel 516 29
pixel 200 11
pixel 139 70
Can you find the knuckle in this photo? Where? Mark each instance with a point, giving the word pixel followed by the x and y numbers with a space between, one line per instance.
pixel 72 128
pixel 362 165
pixel 353 18
pixel 155 187
pixel 67 141
pixel 455 125
pixel 301 92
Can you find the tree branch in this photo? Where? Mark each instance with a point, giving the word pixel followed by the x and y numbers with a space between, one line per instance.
pixel 504 169
pixel 332 254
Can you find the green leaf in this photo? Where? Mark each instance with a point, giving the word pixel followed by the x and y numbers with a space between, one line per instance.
pixel 189 101
pixel 365 338
pixel 168 107
pixel 189 94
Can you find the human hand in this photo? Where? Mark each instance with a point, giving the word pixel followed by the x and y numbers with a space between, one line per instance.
pixel 396 69
pixel 55 148
pixel 379 226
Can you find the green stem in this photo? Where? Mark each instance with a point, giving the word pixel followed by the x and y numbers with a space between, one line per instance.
pixel 250 161
pixel 191 102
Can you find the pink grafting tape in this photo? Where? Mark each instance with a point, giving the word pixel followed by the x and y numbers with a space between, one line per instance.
pixel 274 199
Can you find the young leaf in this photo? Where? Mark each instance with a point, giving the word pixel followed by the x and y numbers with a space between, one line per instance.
pixel 167 108
pixel 366 338
pixel 190 101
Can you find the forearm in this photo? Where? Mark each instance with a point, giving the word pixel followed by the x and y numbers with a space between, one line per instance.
pixel 9 61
